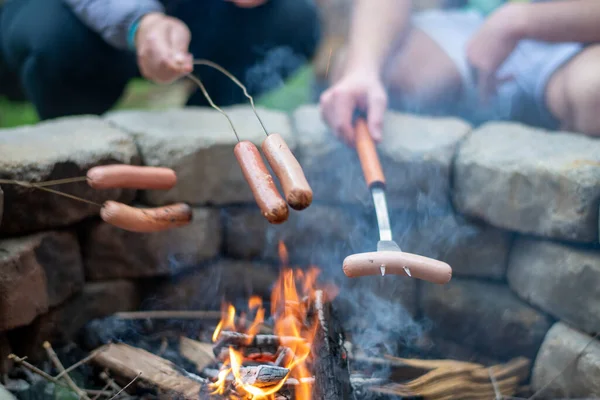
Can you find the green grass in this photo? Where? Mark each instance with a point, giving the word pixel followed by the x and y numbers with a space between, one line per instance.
pixel 141 94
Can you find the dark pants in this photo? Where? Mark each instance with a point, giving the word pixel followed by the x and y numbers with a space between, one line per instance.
pixel 67 69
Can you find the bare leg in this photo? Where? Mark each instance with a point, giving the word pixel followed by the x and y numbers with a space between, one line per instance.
pixel 573 93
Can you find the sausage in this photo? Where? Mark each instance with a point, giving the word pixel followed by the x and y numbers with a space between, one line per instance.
pixel 271 204
pixel 146 219
pixel 428 269
pixel 131 177
pixel 296 189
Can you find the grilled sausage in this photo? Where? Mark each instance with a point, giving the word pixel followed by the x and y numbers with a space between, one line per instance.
pixel 296 189
pixel 428 269
pixel 146 219
pixel 271 204
pixel 131 177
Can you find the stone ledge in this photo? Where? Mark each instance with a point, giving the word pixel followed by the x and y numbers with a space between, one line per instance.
pixel 112 253
pixel 57 149
pixel 530 181
pixel 198 144
pixel 416 156
pixel 561 347
pixel 37 272
pixel 484 316
pixel 560 279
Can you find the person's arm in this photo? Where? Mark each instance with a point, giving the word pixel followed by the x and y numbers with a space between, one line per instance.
pixel 114 20
pixel 562 21
pixel 375 29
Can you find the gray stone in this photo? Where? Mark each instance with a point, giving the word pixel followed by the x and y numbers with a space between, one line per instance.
pixel 37 272
pixel 57 149
pixel 531 181
pixel 487 317
pixel 560 279
pixel 112 253
pixel 416 155
pixel 325 235
pixel 207 287
pixel 569 363
pixel 472 249
pixel 62 324
pixel 5 394
pixel 198 144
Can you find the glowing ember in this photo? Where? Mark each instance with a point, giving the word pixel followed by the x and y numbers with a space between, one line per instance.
pixel 291 301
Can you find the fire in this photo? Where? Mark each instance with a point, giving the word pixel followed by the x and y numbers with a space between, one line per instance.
pixel 291 300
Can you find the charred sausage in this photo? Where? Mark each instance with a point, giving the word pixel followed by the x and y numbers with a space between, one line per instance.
pixel 131 177
pixel 146 219
pixel 296 189
pixel 271 204
pixel 428 269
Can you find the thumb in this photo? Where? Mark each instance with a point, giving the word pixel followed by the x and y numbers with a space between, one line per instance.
pixel 377 104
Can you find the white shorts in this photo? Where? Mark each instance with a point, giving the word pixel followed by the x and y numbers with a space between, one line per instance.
pixel 531 64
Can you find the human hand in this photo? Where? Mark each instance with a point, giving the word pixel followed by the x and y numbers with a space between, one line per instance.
pixel 356 89
pixel 162 48
pixel 248 3
pixel 493 43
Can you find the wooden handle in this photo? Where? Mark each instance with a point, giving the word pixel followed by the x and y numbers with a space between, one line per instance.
pixel 367 153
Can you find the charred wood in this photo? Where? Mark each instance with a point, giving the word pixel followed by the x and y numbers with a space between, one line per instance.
pixel 332 375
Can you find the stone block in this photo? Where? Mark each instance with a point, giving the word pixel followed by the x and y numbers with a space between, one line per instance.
pixel 198 144
pixel 62 324
pixel 530 181
pixel 111 253
pixel 416 156
pixel 57 149
pixel 560 279
pixel 325 235
pixel 487 317
pixel 207 287
pixel 567 365
pixel 37 272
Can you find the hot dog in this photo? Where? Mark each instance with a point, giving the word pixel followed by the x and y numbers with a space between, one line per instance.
pixel 271 204
pixel 145 219
pixel 131 177
pixel 296 189
pixel 424 268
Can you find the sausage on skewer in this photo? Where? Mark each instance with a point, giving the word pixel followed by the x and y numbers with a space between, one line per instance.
pixel 271 204
pixel 296 189
pixel 131 177
pixel 428 269
pixel 146 219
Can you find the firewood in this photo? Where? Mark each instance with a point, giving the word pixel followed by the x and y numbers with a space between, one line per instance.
pixel 453 380
pixel 332 375
pixel 128 362
pixel 261 342
pixel 197 352
pixel 263 375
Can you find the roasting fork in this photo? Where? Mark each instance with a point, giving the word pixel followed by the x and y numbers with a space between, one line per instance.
pixel 371 167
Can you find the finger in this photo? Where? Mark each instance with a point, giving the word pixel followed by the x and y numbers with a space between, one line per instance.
pixel 377 106
pixel 179 40
pixel 342 111
pixel 486 83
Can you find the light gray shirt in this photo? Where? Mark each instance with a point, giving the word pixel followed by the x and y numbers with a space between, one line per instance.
pixel 112 19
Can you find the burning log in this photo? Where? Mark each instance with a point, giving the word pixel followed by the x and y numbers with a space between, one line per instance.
pixel 263 375
pixel 197 352
pixel 129 362
pixel 263 343
pixel 332 375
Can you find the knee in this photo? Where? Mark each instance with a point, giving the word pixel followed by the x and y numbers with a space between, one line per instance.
pixel 581 89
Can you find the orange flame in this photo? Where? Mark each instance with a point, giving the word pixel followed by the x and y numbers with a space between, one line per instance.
pixel 291 299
